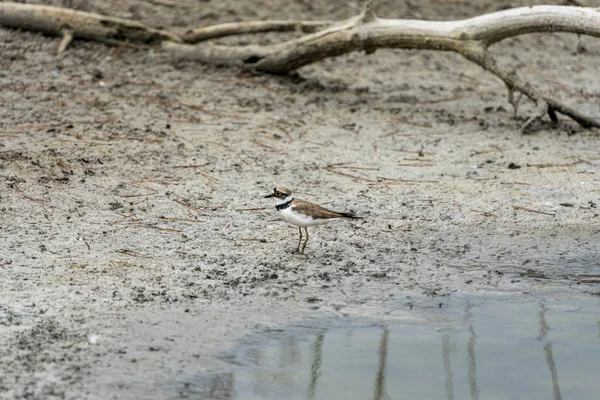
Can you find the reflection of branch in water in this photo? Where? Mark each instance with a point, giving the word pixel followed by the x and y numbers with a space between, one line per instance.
pixel 379 393
pixel 553 372
pixel 448 367
pixel 544 328
pixel 471 355
pixel 315 369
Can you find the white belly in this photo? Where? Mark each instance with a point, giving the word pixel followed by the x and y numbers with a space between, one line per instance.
pixel 291 217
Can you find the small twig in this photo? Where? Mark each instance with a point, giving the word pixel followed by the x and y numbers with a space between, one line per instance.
pixel 132 139
pixel 19 129
pixel 435 101
pixel 254 240
pixel 213 113
pixel 494 149
pixel 189 207
pixel 285 131
pixel 35 199
pixel 416 165
pixel 218 144
pixel 315 143
pixel 405 180
pixel 419 152
pixel 50 211
pixel 533 211
pixel 421 160
pixel 356 168
pixel 485 213
pixel 138 195
pixel 181 219
pixel 337 165
pixel 126 217
pixel 158 228
pixel 550 165
pixel 407 122
pixel 349 175
pixel 266 146
pixel 251 209
pixel 191 165
pixel 207 176
pixel 131 253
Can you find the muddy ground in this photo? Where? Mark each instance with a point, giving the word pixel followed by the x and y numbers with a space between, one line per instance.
pixel 135 241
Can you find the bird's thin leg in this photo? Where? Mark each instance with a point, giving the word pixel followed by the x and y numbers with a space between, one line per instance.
pixel 305 240
pixel 299 238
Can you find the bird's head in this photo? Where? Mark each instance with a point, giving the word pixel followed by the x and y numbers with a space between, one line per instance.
pixel 280 193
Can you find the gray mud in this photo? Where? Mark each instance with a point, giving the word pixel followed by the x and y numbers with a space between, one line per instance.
pixel 135 242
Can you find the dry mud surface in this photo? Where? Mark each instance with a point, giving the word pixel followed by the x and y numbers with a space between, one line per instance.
pixel 134 238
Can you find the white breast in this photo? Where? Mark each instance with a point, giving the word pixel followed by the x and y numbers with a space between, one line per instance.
pixel 290 216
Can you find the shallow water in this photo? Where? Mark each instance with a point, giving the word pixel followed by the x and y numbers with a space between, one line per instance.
pixel 470 348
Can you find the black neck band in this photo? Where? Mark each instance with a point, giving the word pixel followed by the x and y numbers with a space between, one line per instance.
pixel 284 205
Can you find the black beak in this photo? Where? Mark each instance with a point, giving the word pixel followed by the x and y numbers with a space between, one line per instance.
pixel 269 195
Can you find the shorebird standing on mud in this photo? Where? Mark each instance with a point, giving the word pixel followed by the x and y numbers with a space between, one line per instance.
pixel 303 214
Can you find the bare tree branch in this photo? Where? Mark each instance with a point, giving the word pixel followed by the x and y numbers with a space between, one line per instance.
pixel 365 32
pixel 352 35
pixel 237 28
pixel 469 37
pixel 56 20
pixel 514 81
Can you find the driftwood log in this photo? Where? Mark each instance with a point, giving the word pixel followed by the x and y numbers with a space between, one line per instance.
pixel 365 32
pixel 71 24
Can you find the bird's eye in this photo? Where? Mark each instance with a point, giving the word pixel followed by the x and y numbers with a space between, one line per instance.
pixel 278 193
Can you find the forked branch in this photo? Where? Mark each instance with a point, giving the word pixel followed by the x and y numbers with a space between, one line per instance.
pixel 470 38
pixel 365 32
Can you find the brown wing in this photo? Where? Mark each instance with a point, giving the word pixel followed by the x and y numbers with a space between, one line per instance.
pixel 317 211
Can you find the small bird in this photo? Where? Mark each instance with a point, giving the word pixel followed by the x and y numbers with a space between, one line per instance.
pixel 303 213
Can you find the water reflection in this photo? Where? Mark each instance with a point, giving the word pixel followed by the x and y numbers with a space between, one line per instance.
pixel 471 354
pixel 315 368
pixel 489 349
pixel 553 373
pixel 544 329
pixel 447 367
pixel 379 392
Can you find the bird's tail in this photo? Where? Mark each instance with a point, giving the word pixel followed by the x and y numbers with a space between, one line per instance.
pixel 349 215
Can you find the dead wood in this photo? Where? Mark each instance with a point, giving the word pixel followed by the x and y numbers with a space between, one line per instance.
pixel 470 38
pixel 238 28
pixel 365 32
pixel 79 24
